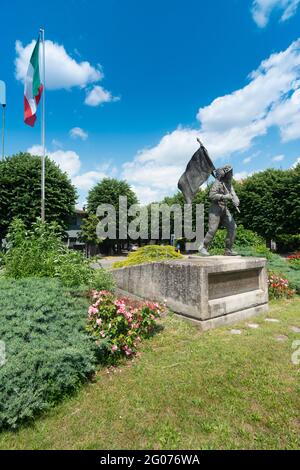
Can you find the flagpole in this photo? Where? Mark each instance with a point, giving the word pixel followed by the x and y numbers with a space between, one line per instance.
pixel 3 128
pixel 42 38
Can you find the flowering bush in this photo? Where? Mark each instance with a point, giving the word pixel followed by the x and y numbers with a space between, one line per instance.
pixel 279 287
pixel 294 260
pixel 118 325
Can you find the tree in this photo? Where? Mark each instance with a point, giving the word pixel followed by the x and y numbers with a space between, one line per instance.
pixel 89 234
pixel 270 202
pixel 108 191
pixel 20 191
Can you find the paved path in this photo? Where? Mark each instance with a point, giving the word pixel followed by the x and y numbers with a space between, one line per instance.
pixel 109 261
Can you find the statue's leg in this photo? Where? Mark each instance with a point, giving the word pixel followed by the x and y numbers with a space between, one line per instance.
pixel 230 225
pixel 213 224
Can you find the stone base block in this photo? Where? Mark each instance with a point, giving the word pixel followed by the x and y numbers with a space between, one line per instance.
pixel 213 291
pixel 226 320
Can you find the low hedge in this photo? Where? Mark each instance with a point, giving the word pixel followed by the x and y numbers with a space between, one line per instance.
pixel 147 254
pixel 48 354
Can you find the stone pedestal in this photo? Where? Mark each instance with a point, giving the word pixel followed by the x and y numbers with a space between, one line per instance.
pixel 213 291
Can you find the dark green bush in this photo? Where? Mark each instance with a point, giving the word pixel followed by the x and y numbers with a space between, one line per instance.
pixel 20 195
pixel 288 243
pixel 48 354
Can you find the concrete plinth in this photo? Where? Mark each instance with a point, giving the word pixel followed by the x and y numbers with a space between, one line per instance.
pixel 213 291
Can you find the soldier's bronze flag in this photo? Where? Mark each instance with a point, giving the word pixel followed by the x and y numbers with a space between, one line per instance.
pixel 198 170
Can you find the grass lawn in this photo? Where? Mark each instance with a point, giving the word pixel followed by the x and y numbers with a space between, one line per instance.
pixel 186 390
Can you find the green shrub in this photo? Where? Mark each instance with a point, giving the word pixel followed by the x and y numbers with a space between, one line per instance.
pixel 73 268
pixel 48 354
pixel 244 238
pixel 40 252
pixel 147 254
pixel 32 252
pixel 118 325
pixel 102 280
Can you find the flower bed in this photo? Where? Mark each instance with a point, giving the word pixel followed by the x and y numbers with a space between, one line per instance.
pixel 294 260
pixel 118 324
pixel 279 287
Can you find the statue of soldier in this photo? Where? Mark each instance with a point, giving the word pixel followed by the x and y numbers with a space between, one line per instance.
pixel 221 192
pixel 198 170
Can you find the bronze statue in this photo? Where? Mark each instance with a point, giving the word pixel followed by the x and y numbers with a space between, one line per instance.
pixel 198 170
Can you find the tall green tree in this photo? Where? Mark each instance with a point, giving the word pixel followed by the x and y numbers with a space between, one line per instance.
pixel 108 191
pixel 270 202
pixel 20 191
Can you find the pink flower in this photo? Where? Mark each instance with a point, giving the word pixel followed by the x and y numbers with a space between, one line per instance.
pixel 128 351
pixel 102 334
pixel 121 306
pixel 128 316
pixel 114 348
pixel 98 321
pixel 94 294
pixel 92 310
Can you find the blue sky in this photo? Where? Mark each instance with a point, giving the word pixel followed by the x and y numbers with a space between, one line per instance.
pixel 130 84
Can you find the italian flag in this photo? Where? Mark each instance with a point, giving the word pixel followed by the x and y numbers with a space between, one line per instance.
pixel 33 87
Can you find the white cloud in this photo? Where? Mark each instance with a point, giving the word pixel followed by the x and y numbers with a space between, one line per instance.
pixel 147 195
pixel 285 114
pixel 230 124
pixel 247 160
pixel 262 10
pixel 69 162
pixel 97 95
pixel 278 158
pixel 77 132
pixel 297 162
pixel 87 180
pixel 241 175
pixel 63 71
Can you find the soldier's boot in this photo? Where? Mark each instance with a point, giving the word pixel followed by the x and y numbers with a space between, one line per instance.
pixel 229 252
pixel 203 250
